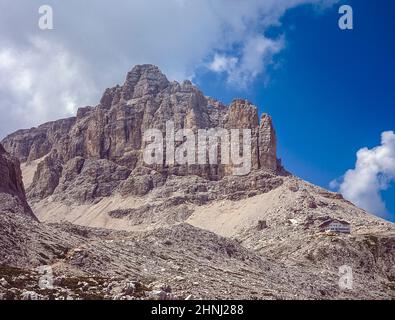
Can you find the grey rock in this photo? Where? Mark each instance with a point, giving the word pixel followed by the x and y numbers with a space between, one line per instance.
pixel 30 295
pixel 111 133
pixel 4 283
pixel 12 191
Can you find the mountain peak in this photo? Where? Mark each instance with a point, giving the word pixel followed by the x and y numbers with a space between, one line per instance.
pixel 114 131
pixel 142 80
pixel 91 170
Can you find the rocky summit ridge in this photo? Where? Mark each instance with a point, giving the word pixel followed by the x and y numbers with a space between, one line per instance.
pixel 112 227
pixel 113 130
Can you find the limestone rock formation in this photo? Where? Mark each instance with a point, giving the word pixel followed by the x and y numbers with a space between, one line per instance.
pixel 32 144
pixel 113 227
pixel 12 192
pixel 113 132
pixel 267 144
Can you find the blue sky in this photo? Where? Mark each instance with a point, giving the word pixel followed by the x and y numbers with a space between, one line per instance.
pixel 332 92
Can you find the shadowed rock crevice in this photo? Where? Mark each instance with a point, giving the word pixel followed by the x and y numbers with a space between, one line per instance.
pixel 12 191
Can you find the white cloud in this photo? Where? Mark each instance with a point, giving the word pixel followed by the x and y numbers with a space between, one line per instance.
pixel 255 56
pixel 40 84
pixel 223 63
pixel 373 173
pixel 93 45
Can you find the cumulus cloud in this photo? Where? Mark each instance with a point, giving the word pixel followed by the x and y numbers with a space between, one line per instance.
pixel 40 84
pixel 374 171
pixel 223 63
pixel 95 43
pixel 257 53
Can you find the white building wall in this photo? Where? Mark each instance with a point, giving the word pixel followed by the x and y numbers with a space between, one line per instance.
pixel 338 227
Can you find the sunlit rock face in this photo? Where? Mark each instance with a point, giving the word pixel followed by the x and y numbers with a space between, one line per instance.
pixel 113 132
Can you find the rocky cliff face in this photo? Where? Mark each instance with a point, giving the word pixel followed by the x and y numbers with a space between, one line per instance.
pixel 179 228
pixel 32 144
pixel 113 133
pixel 12 192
